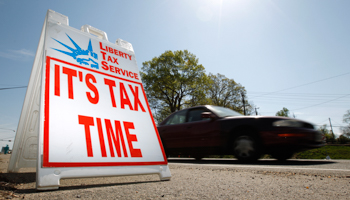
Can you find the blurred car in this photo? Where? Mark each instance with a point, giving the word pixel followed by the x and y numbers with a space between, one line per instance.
pixel 212 130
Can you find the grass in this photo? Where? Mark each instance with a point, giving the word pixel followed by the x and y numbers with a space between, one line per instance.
pixel 334 152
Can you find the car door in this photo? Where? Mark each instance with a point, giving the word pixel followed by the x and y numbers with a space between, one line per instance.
pixel 202 132
pixel 173 131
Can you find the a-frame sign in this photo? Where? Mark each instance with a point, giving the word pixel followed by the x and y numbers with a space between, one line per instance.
pixel 85 112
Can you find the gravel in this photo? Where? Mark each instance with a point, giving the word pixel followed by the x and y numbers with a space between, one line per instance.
pixel 187 182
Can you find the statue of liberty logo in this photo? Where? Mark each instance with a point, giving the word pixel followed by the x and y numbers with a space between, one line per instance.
pixel 83 57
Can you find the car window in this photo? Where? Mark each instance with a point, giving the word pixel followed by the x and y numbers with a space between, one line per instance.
pixel 224 112
pixel 196 115
pixel 177 118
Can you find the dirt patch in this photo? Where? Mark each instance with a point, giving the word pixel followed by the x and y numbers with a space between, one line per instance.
pixel 9 182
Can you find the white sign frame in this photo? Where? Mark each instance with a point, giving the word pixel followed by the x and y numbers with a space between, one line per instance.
pixel 61 152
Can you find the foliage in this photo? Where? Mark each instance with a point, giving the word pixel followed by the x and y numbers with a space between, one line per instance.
pixel 346 129
pixel 171 79
pixel 334 152
pixel 342 139
pixel 327 134
pixel 175 80
pixel 283 113
pixel 159 110
pixel 225 92
pixel 346 117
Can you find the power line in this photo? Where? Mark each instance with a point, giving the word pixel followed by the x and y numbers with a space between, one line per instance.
pixel 328 125
pixel 294 94
pixel 346 99
pixel 9 85
pixel 302 98
pixel 321 103
pixel 13 88
pixel 6 139
pixel 297 95
pixel 302 85
pixel 8 129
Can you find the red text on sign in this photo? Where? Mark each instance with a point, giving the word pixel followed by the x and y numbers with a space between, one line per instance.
pixel 92 96
pixel 124 97
pixel 115 51
pixel 114 136
pixel 92 93
pixel 119 71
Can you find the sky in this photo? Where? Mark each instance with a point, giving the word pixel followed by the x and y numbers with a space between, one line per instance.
pixel 292 54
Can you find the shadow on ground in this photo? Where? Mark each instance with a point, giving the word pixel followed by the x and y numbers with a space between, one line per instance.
pixel 9 181
pixel 79 187
pixel 18 178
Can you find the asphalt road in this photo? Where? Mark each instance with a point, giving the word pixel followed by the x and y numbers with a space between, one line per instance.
pixel 206 179
pixel 300 166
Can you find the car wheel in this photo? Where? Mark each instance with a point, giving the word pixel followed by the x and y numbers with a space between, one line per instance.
pixel 246 148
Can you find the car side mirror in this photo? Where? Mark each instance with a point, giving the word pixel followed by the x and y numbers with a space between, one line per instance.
pixel 208 115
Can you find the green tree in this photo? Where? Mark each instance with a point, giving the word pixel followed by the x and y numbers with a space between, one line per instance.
pixel 198 96
pixel 172 79
pixel 222 91
pixel 159 109
pixel 327 134
pixel 283 113
pixel 342 139
pixel 346 129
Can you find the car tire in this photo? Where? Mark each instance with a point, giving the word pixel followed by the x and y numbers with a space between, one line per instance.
pixel 246 147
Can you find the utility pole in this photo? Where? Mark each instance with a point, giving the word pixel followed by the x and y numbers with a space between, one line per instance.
pixel 243 102
pixel 256 112
pixel 331 130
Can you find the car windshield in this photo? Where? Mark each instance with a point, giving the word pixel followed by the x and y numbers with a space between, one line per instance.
pixel 224 112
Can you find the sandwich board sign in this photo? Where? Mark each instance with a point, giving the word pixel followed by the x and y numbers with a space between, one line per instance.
pixel 85 112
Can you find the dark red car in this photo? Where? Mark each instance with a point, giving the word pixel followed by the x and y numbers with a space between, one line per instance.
pixel 212 130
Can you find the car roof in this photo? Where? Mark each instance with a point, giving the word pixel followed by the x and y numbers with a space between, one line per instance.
pixel 206 106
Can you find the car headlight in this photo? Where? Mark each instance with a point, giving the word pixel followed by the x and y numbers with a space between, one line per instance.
pixel 287 123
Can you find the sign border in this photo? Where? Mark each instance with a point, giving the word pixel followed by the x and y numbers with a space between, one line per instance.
pixel 46 162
